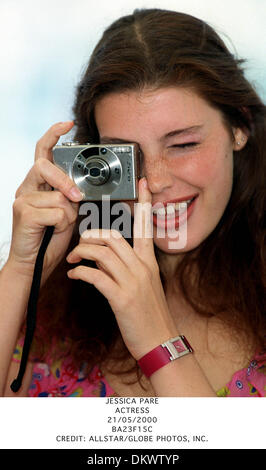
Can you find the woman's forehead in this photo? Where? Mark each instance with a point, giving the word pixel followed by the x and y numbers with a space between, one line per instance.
pixel 170 110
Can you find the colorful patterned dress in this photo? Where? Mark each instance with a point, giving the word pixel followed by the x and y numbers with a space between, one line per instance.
pixel 59 380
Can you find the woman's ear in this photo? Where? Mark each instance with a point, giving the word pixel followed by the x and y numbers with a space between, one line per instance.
pixel 240 139
pixel 241 135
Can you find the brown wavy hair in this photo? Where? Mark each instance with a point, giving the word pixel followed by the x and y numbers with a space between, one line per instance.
pixel 157 48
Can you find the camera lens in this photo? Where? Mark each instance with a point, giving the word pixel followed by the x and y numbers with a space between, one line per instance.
pixel 95 171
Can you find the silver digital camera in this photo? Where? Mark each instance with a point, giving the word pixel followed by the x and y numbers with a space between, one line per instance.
pixel 101 169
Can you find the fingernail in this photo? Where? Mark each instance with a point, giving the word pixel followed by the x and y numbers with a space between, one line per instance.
pixel 65 124
pixel 68 258
pixel 144 182
pixel 75 193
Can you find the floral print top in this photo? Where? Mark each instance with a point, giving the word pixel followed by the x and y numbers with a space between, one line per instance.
pixel 59 380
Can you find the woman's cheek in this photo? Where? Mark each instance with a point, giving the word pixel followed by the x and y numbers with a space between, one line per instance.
pixel 212 167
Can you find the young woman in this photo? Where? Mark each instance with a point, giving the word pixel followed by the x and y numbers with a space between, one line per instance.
pixel 167 82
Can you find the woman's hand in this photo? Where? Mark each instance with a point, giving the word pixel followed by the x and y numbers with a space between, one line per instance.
pixel 36 207
pixel 129 278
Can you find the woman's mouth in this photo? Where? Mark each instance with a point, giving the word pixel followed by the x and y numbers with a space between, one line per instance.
pixel 172 214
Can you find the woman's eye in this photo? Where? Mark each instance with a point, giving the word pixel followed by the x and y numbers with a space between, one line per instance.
pixel 183 146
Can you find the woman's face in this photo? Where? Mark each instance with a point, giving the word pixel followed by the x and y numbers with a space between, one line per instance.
pixel 187 154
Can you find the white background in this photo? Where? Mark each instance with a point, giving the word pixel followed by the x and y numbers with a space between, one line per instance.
pixel 45 47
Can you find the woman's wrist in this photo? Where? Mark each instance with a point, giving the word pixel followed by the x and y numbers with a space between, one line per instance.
pixel 170 350
pixel 23 270
pixel 152 342
pixel 173 371
pixel 181 378
pixel 15 288
pixel 19 269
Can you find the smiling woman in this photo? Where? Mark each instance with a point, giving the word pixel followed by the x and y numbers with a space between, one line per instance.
pixel 193 164
pixel 138 317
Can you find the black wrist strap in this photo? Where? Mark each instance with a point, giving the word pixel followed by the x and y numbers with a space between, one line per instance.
pixel 32 308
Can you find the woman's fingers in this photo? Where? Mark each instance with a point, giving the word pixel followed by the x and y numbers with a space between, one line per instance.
pixel 105 258
pixel 114 240
pixel 44 171
pixel 99 279
pixel 48 199
pixel 35 219
pixel 44 174
pixel 50 138
pixel 143 225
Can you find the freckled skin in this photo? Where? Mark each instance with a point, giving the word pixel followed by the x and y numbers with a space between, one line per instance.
pixel 175 172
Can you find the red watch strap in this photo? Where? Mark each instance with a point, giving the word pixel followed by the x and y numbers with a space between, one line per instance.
pixel 154 360
pixel 163 354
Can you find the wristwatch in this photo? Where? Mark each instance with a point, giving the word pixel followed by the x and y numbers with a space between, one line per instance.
pixel 158 357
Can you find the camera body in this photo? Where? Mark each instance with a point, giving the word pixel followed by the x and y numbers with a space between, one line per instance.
pixel 101 169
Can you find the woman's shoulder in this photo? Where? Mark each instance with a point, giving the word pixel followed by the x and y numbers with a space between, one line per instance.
pixel 249 381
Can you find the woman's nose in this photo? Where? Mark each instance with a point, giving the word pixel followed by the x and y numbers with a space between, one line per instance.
pixel 158 175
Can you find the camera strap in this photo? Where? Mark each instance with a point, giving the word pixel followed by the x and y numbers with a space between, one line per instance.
pixel 32 308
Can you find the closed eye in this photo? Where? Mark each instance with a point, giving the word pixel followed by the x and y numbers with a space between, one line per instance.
pixel 183 146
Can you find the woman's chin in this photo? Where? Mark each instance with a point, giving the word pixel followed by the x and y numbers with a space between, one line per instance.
pixel 175 245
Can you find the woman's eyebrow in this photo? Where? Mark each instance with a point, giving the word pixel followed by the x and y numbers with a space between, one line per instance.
pixel 182 132
pixel 174 133
pixel 114 140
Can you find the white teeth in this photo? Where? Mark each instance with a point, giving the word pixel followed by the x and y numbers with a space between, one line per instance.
pixel 180 205
pixel 170 209
pixel 162 211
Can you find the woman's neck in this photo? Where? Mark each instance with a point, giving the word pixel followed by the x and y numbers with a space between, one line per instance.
pixel 168 263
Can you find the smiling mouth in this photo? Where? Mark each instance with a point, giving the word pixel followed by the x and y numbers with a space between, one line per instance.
pixel 173 209
pixel 173 213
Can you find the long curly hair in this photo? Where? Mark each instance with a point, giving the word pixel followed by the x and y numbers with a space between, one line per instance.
pixel 157 48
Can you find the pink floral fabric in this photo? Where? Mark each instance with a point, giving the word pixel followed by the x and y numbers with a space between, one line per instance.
pixel 59 380
pixel 248 382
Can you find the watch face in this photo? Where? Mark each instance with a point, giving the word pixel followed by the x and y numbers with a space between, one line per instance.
pixel 181 344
